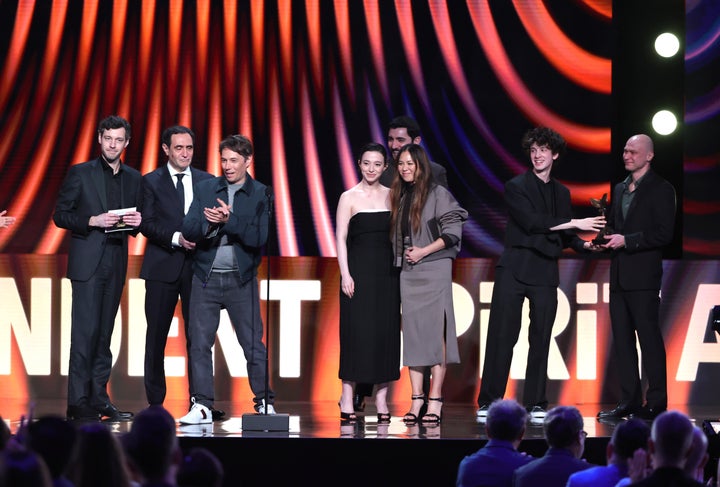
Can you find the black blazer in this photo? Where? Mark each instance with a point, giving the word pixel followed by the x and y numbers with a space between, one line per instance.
pixel 531 248
pixel 83 195
pixel 647 229
pixel 163 216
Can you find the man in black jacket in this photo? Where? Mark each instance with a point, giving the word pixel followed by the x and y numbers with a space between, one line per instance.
pixel 97 263
pixel 537 230
pixel 643 217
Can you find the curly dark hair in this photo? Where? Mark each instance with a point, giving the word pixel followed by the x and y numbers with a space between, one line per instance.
pixel 544 137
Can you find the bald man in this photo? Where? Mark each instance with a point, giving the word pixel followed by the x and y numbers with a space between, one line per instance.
pixel 642 215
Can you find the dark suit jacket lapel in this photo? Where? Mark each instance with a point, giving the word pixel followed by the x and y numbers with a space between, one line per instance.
pixel 99 182
pixel 167 186
pixel 533 192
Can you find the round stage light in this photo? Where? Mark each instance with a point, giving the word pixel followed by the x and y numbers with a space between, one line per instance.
pixel 664 122
pixel 667 44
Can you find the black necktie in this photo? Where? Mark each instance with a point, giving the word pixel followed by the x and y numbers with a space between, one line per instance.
pixel 181 191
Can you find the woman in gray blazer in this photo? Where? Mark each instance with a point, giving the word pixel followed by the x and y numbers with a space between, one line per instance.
pixel 426 229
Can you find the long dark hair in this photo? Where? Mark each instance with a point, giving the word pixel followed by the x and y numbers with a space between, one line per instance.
pixel 423 184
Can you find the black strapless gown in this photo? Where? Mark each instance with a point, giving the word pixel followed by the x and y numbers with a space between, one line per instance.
pixel 370 321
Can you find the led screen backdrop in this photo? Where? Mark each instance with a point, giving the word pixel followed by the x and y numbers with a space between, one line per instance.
pixel 310 82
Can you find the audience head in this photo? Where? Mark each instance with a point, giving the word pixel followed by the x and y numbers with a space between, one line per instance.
pixel 563 428
pixel 152 445
pixel 628 437
pixel 4 433
pixel 506 420
pixel 53 438
pixel 98 458
pixel 698 457
pixel 200 468
pixel 670 439
pixel 22 467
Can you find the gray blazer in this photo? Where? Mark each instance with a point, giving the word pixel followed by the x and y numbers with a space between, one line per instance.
pixel 441 215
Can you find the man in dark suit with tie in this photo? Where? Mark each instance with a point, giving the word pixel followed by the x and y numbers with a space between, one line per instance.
pixel 167 265
pixel 97 264
pixel 643 217
pixel 538 229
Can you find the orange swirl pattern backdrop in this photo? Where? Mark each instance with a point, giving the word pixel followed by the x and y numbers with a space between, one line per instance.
pixel 309 82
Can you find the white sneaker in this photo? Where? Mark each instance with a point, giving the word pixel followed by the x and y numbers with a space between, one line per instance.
pixel 482 411
pixel 260 408
pixel 537 415
pixel 198 414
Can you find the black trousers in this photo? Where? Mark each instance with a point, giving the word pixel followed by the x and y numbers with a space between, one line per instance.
pixel 639 311
pixel 160 301
pixel 504 330
pixel 95 303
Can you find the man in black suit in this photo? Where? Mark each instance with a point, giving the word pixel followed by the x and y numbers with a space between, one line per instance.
pixel 538 228
pixel 97 263
pixel 167 265
pixel 643 217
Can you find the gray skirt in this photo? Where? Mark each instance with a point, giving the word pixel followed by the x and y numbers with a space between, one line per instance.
pixel 427 305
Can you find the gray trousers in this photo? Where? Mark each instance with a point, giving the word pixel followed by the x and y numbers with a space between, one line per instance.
pixel 241 300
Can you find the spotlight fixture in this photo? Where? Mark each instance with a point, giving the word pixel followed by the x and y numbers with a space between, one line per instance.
pixel 664 122
pixel 667 45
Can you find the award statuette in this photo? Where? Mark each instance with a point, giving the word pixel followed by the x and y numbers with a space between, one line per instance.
pixel 601 206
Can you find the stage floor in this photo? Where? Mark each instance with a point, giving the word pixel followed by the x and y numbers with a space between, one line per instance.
pixel 322 420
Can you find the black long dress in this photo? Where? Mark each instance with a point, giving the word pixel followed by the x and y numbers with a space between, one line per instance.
pixel 370 321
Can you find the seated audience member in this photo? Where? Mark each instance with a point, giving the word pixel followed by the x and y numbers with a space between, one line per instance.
pixel 699 456
pixel 4 434
pixel 563 429
pixel 152 446
pixel 98 459
pixel 53 439
pixel 22 467
pixel 627 437
pixel 200 468
pixel 670 447
pixel 694 464
pixel 494 463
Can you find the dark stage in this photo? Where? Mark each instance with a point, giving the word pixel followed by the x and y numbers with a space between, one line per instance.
pixel 319 450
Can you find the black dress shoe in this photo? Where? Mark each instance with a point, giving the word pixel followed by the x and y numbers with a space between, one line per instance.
pixel 647 414
pixel 111 413
pixel 622 410
pixel 217 414
pixel 82 413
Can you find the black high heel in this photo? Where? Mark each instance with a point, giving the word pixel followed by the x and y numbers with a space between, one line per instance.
pixel 432 418
pixel 348 417
pixel 383 418
pixel 410 417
